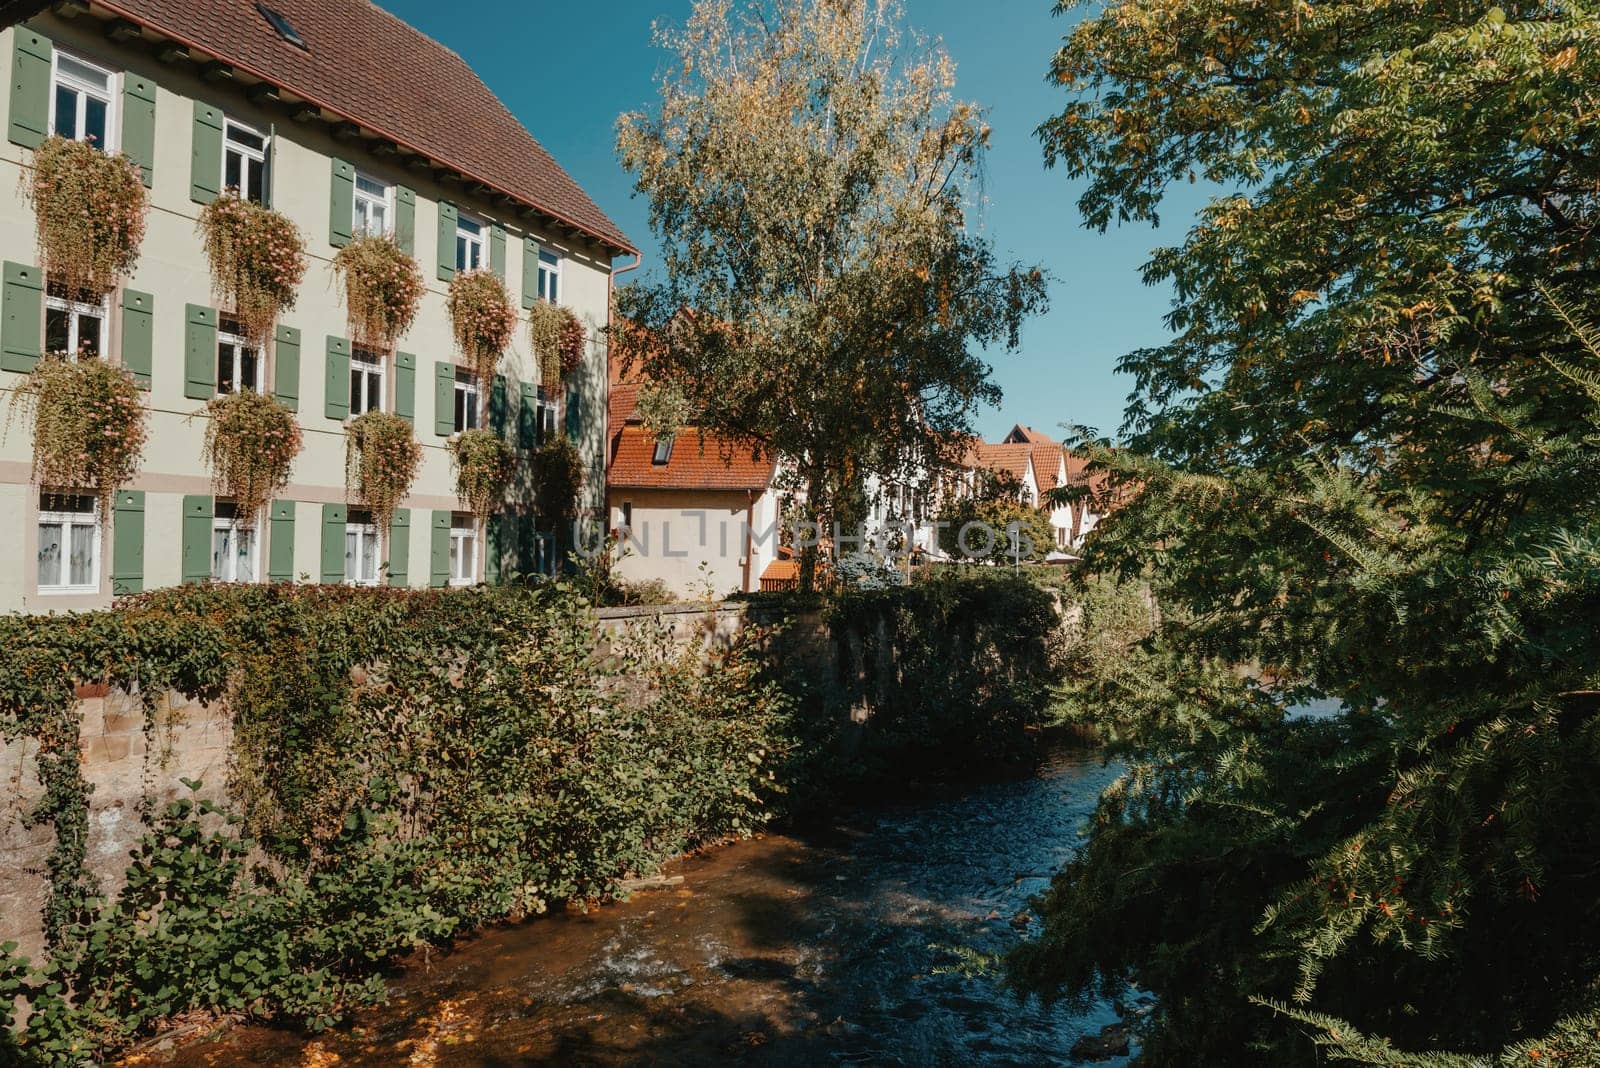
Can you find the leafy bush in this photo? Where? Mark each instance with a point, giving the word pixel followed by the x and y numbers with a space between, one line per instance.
pixel 89 211
pixel 951 671
pixel 383 289
pixel 409 764
pixel 558 477
pixel 257 257
pixel 251 442
pixel 88 424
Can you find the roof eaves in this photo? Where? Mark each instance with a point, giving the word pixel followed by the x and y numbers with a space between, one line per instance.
pixel 618 242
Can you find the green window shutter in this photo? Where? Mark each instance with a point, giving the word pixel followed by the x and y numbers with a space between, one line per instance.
pixel 336 383
pixel 21 317
pixel 497 406
pixel 199 352
pixel 405 219
pixel 280 542
pixel 574 414
pixel 342 204
pixel 494 545
pixel 530 271
pixel 528 416
pixel 139 123
pixel 405 386
pixel 447 241
pixel 400 548
pixel 30 88
pixel 205 154
pixel 497 251
pixel 439 550
pixel 286 366
pixel 333 520
pixel 527 540
pixel 138 335
pixel 196 537
pixel 127 543
pixel 444 399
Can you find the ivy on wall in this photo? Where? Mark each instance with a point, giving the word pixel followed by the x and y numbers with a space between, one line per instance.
pixel 410 764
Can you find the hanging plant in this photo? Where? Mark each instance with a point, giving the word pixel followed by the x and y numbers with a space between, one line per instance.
pixel 257 260
pixel 483 466
pixel 558 339
pixel 88 425
pixel 251 442
pixel 382 290
pixel 89 213
pixel 482 318
pixel 380 462
pixel 558 473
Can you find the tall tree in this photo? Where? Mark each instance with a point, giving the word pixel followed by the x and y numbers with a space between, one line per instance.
pixel 1369 462
pixel 811 174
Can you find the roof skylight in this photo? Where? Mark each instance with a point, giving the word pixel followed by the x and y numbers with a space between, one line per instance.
pixel 280 22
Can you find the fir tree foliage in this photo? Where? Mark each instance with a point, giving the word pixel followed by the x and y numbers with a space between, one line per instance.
pixel 1365 467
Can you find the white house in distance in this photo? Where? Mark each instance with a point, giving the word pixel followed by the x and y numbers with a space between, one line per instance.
pixel 1040 464
pixel 345 119
pixel 691 510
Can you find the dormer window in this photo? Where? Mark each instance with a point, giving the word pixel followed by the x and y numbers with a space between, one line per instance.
pixel 284 28
pixel 82 103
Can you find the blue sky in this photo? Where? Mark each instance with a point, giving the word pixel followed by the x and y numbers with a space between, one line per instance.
pixel 568 70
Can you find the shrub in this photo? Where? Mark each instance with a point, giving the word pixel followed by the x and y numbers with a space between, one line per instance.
pixel 483 466
pixel 383 289
pixel 89 213
pixel 88 424
pixel 251 442
pixel 257 257
pixel 381 460
pixel 482 319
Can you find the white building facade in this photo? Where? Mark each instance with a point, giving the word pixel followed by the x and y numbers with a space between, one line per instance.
pixel 345 120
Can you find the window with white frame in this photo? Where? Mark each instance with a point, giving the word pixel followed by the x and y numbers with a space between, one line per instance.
pixel 544 554
pixel 238 363
pixel 663 452
pixel 549 276
pixel 82 101
pixel 467 401
pixel 244 161
pixel 463 549
pixel 366 381
pixel 544 414
pixel 360 549
pixel 233 547
pixel 69 544
pixel 75 324
pixel 374 205
pixel 469 243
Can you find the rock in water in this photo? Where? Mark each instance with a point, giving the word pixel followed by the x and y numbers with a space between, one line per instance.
pixel 1112 1041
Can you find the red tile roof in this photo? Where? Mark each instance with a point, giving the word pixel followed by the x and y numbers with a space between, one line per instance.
pixel 375 70
pixel 698 461
pixel 1006 457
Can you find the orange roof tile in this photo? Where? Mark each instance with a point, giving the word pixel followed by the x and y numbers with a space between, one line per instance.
pixel 698 461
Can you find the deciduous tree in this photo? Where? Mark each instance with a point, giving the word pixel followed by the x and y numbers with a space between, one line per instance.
pixel 811 176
